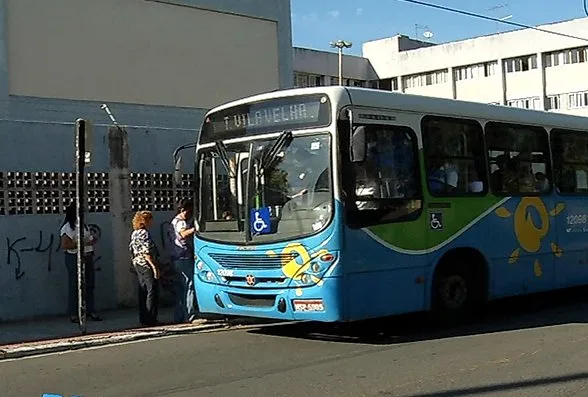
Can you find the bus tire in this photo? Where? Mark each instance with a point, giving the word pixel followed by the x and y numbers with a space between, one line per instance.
pixel 458 291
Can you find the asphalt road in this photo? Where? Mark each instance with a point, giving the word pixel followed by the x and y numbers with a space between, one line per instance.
pixel 535 348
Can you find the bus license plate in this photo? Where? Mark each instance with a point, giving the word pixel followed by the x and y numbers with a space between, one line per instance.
pixel 309 305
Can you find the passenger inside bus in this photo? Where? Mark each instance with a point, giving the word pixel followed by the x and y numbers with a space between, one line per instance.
pixel 387 171
pixel 541 182
pixel 444 169
pixel 519 174
pixel 498 176
pixel 443 178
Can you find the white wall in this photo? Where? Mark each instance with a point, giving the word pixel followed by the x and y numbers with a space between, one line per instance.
pixel 437 90
pixel 523 84
pixel 486 89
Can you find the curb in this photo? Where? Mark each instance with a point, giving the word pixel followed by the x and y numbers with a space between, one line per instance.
pixel 83 342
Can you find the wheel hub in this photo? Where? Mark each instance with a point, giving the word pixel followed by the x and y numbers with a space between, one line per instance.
pixel 454 292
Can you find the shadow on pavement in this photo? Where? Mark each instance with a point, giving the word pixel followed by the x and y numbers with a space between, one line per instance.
pixel 503 387
pixel 540 310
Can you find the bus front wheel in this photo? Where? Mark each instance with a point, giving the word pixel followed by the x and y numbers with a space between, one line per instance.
pixel 457 293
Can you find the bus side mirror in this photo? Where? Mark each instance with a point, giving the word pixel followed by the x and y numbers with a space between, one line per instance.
pixel 178 171
pixel 358 145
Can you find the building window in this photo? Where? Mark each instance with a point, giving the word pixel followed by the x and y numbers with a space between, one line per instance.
pixel 576 55
pixel 454 156
pixel 388 84
pixel 552 59
pixel 490 68
pixel 307 80
pixel 526 103
pixel 425 79
pixel 385 84
pixel 566 57
pixel 570 161
pixel 315 81
pixel 553 102
pixel 475 71
pixel 520 64
pixel 518 158
pixel 578 100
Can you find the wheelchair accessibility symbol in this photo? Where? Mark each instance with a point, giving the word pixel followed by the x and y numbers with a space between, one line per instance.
pixel 260 220
pixel 436 220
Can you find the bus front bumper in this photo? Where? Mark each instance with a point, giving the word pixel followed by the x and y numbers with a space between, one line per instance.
pixel 312 303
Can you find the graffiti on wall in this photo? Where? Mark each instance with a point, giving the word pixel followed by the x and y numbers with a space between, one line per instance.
pixel 40 248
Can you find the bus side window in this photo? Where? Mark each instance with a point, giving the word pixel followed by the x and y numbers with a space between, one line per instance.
pixel 570 161
pixel 454 156
pixel 387 182
pixel 519 159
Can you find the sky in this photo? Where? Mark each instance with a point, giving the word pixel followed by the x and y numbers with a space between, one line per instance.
pixel 315 23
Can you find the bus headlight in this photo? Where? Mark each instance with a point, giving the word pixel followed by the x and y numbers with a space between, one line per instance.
pixel 204 273
pixel 315 267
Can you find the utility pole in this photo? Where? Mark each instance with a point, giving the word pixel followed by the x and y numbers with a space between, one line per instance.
pixel 83 138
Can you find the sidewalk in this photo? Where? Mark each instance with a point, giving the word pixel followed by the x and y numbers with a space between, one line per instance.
pixel 24 338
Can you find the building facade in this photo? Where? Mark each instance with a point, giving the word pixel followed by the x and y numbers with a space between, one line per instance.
pixel 524 68
pixel 159 65
pixel 319 68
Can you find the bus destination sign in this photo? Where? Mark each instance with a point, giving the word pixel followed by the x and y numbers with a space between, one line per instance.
pixel 267 116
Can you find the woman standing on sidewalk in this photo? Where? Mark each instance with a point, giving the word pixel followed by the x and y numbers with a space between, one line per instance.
pixel 68 235
pixel 144 257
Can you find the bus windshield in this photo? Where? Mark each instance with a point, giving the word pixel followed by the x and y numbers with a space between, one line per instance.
pixel 265 190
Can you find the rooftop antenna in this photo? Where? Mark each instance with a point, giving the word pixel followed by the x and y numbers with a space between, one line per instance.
pixel 503 18
pixel 427 34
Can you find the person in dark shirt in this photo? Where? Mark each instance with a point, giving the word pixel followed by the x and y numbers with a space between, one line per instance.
pixel 182 256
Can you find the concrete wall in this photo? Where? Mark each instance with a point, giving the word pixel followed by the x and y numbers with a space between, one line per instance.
pixel 161 92
pixel 157 53
pixel 35 185
pixel 486 90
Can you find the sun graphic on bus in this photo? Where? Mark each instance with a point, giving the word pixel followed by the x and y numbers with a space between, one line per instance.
pixel 528 235
pixel 297 265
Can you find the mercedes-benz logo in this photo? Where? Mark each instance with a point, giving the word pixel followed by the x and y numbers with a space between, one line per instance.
pixel 250 279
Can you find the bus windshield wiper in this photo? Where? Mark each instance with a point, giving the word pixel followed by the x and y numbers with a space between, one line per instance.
pixel 269 157
pixel 267 160
pixel 221 150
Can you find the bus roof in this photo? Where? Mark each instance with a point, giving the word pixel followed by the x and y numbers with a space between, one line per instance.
pixel 376 98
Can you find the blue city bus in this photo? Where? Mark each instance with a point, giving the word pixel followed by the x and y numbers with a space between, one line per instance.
pixel 341 204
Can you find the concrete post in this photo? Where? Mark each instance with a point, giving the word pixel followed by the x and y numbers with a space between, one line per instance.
pixel 122 215
pixel 543 92
pixel 451 75
pixel 400 84
pixel 502 74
